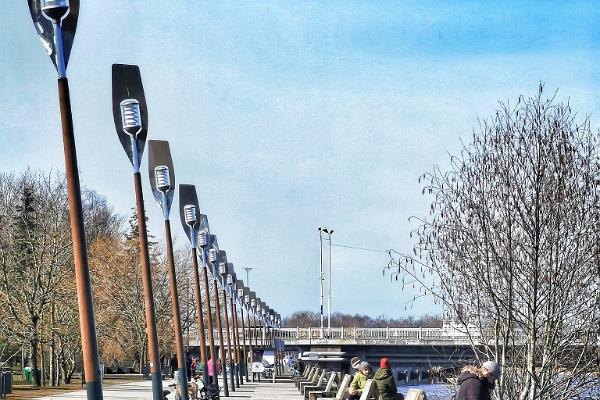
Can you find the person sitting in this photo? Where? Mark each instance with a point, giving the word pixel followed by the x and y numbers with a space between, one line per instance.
pixel 477 383
pixel 360 381
pixel 386 384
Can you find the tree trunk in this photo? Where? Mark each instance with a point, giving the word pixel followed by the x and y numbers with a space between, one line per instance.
pixel 34 352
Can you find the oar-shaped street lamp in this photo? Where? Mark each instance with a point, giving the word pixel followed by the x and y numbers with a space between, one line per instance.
pixel 240 289
pixel 162 181
pixel 130 115
pixel 189 214
pixel 216 257
pixel 56 22
pixel 223 268
pixel 246 306
pixel 205 243
pixel 253 312
pixel 231 289
pixel 258 313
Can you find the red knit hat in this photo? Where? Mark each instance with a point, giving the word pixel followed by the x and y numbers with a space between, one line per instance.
pixel 384 363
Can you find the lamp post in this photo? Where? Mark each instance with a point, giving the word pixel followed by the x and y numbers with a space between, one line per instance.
pixel 188 210
pixel 253 309
pixel 162 182
pixel 321 278
pixel 131 122
pixel 241 299
pixel 248 269
pixel 206 243
pixel 231 289
pixel 216 256
pixel 223 270
pixel 329 233
pixel 248 295
pixel 56 22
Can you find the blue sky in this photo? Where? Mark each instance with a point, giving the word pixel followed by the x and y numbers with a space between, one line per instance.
pixel 292 115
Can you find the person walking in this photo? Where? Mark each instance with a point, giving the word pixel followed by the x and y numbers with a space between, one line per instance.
pixel 188 367
pixel 173 365
pixel 360 381
pixel 211 369
pixel 477 383
pixel 386 384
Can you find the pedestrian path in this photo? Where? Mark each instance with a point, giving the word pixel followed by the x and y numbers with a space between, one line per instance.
pixel 143 390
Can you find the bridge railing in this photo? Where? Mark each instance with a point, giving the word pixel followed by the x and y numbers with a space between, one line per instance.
pixel 373 335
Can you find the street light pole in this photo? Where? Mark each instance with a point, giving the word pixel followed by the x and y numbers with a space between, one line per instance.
pixel 248 269
pixel 131 122
pixel 188 209
pixel 330 232
pixel 162 181
pixel 321 277
pixel 56 22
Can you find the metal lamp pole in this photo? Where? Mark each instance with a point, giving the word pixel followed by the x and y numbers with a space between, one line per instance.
pixel 217 258
pixel 248 269
pixel 329 233
pixel 248 303
pixel 188 207
pixel 231 279
pixel 321 277
pixel 56 22
pixel 131 122
pixel 240 298
pixel 162 181
pixel 223 270
pixel 206 242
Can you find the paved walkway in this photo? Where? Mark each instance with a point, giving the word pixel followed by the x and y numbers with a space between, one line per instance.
pixel 143 390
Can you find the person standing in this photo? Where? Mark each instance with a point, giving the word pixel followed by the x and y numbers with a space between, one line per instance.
pixel 477 383
pixel 386 384
pixel 173 365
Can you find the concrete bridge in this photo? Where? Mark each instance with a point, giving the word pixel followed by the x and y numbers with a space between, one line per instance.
pixel 444 336
pixel 407 348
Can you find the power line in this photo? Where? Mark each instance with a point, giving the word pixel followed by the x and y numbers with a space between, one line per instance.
pixel 359 248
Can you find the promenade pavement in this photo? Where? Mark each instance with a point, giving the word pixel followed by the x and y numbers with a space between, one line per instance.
pixel 143 390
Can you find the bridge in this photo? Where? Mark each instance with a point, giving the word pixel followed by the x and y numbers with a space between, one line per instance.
pixel 444 336
pixel 406 347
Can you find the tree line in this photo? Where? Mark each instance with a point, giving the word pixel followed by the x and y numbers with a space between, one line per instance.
pixel 39 320
pixel 305 319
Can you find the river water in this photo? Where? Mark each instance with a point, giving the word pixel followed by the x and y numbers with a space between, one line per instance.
pixel 436 391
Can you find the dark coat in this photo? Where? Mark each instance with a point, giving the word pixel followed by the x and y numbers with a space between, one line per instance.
pixel 470 387
pixel 386 384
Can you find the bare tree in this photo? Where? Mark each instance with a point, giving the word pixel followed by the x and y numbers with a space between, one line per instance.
pixel 511 247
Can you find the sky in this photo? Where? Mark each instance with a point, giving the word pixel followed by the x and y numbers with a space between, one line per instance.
pixel 290 115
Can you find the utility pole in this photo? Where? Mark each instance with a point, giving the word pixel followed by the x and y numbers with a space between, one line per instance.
pixel 330 279
pixel 248 269
pixel 321 276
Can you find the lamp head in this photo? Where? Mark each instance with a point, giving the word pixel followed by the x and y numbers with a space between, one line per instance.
pixel 46 13
pixel 188 211
pixel 221 267
pixel 204 233
pixel 213 252
pixel 239 289
pixel 131 117
pixel 55 9
pixel 161 173
pixel 130 113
